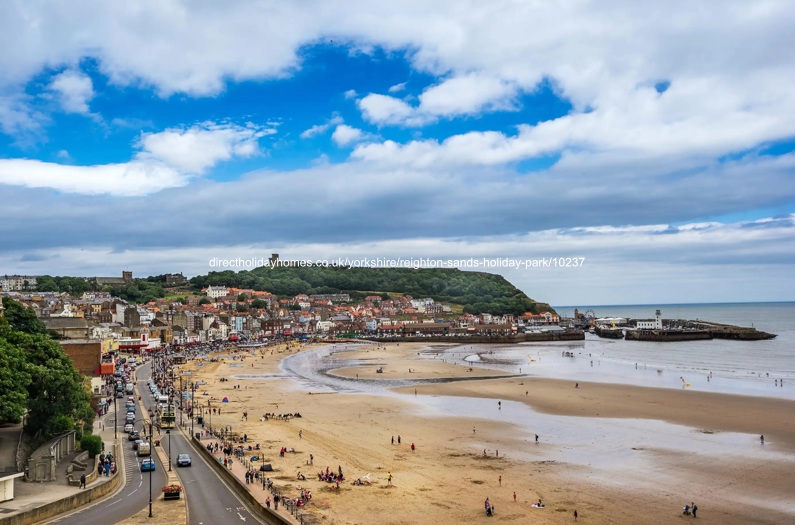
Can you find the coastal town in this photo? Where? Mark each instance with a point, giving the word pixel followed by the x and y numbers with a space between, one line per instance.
pixel 226 313
pixel 211 364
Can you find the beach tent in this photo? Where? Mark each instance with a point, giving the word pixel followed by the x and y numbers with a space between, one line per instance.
pixel 226 400
pixel 266 467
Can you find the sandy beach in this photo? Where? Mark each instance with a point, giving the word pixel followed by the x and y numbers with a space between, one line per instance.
pixel 614 453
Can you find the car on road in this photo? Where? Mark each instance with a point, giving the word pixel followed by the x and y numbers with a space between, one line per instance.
pixel 132 436
pixel 147 465
pixel 128 427
pixel 183 460
pixel 137 443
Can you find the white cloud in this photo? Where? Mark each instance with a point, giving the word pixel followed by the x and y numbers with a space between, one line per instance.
pixel 465 95
pixel 351 93
pixel 200 147
pixel 602 56
pixel 63 155
pixel 73 90
pixel 125 180
pixel 642 266
pixel 383 109
pixel 345 135
pixel 397 87
pixel 319 129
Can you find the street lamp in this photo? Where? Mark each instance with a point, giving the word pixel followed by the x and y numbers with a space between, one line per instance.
pixel 168 431
pixel 115 419
pixel 151 435
pixel 192 406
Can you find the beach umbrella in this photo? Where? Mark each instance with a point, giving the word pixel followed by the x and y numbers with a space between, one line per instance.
pixel 226 400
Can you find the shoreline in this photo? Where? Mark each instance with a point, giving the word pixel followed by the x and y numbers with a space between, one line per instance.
pixel 699 456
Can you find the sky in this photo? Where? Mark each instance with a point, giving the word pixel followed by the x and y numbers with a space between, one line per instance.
pixel 652 142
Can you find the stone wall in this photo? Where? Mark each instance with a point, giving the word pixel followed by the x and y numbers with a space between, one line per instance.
pixel 42 463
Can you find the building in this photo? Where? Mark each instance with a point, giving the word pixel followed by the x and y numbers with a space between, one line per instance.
pixel 656 324
pixel 125 279
pixel 17 283
pixel 173 279
pixel 216 292
pixel 86 354
pixel 333 297
pixel 68 327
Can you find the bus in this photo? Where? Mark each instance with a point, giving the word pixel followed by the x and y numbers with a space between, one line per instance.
pixel 168 417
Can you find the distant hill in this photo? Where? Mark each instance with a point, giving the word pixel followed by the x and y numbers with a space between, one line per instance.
pixel 468 292
pixel 475 292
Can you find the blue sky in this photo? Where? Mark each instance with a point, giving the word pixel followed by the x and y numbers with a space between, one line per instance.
pixel 655 143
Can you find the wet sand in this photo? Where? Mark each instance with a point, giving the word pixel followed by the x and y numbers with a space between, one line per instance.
pixel 732 477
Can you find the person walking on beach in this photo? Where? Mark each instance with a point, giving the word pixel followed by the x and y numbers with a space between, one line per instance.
pixel 536 438
pixel 575 514
pixel 500 480
pixel 762 439
pixel 389 478
pixel 694 508
pixel 412 447
pixel 393 440
pixel 514 496
pixel 398 439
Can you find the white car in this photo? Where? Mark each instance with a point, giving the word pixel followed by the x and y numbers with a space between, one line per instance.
pixel 128 427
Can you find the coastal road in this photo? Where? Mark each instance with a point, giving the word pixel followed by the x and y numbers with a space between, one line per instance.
pixel 209 499
pixel 133 497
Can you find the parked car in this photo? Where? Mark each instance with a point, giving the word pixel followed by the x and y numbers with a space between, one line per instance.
pixel 128 428
pixel 136 443
pixel 147 465
pixel 183 460
pixel 132 436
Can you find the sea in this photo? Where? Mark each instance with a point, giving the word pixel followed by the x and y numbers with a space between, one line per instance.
pixel 741 367
pixel 757 368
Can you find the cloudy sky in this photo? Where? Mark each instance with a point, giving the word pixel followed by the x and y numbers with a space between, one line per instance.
pixel 653 139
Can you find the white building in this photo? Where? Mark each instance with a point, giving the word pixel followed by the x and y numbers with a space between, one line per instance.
pixel 11 283
pixel 216 292
pixel 656 324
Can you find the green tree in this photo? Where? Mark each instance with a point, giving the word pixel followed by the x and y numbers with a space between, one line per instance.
pixel 241 298
pixel 259 303
pixel 45 283
pixel 22 319
pixel 205 300
pixel 56 396
pixel 14 381
pixel 91 443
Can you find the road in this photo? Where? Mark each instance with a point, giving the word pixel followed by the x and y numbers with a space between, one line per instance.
pixel 135 494
pixel 209 499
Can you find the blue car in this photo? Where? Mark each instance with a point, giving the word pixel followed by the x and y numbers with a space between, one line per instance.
pixel 147 464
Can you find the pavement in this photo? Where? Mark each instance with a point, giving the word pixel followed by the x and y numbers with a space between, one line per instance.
pixel 29 495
